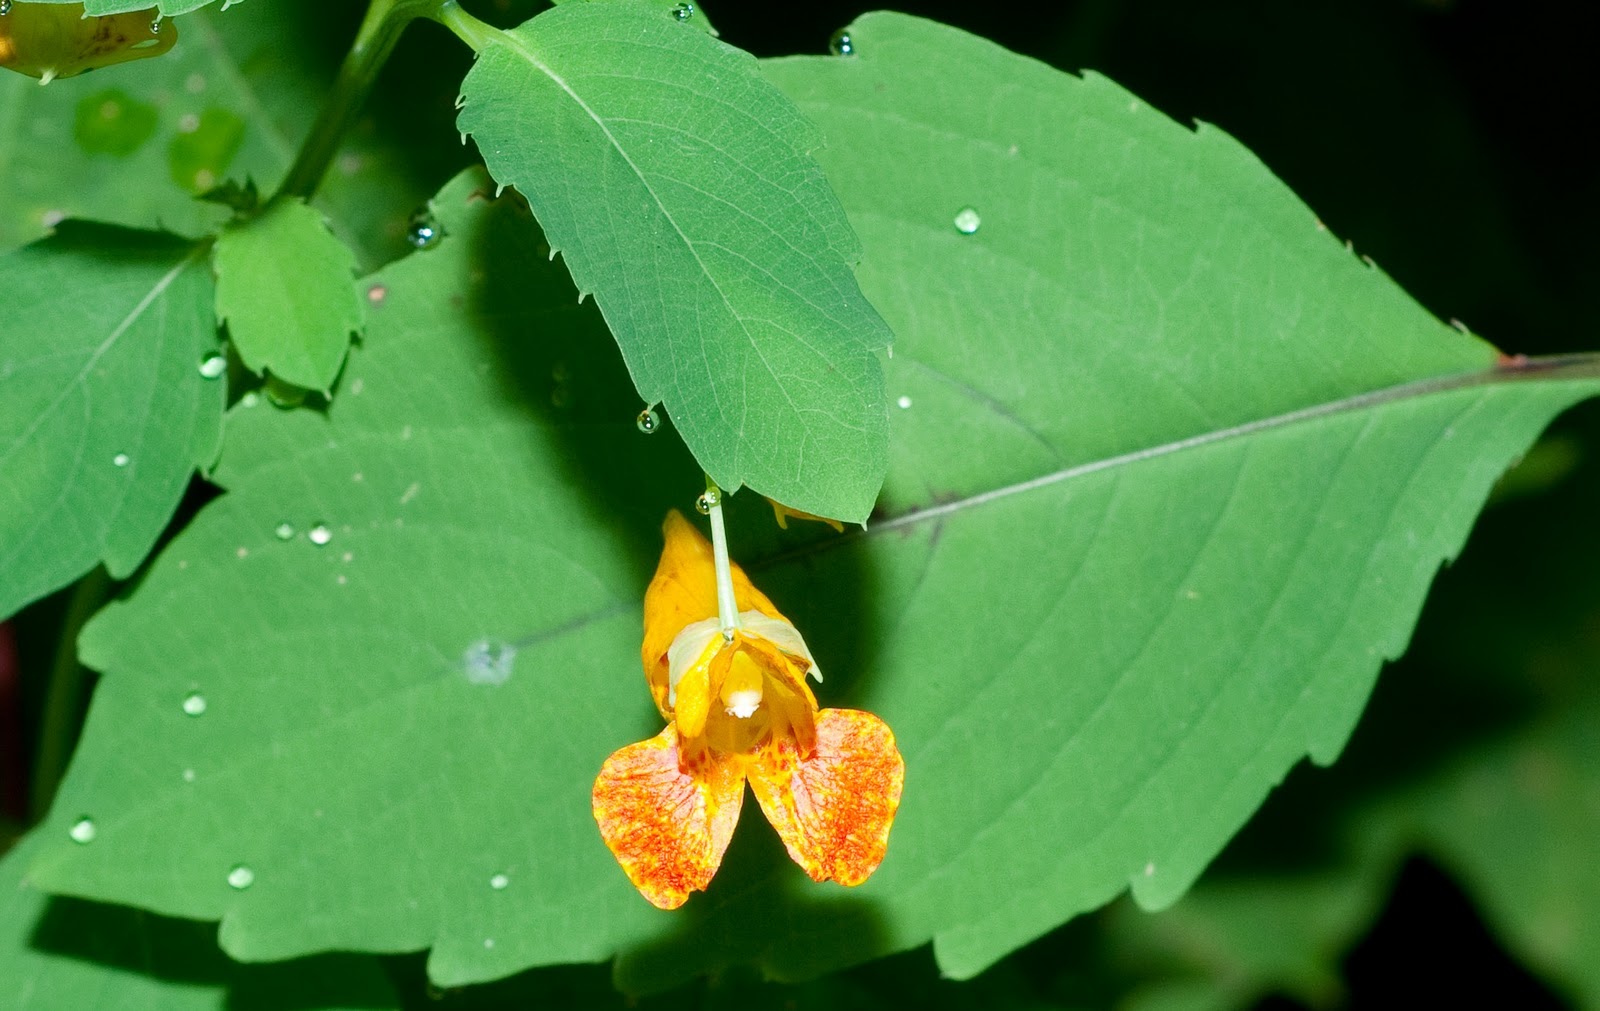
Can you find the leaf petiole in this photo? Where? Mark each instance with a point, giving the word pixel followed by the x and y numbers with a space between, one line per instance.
pixel 476 34
pixel 380 29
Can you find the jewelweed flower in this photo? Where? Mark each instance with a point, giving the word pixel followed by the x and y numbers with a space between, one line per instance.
pixel 738 709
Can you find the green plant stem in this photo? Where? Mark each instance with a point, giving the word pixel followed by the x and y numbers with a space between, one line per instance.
pixel 63 701
pixel 468 29
pixel 380 29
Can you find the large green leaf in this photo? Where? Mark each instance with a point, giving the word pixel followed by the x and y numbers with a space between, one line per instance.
pixel 67 953
pixel 680 189
pixel 104 407
pixel 1174 476
pixel 286 289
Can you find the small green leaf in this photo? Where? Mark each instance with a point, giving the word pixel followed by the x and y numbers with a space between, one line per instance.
pixel 286 289
pixel 113 122
pixel 199 155
pixel 103 411
pixel 680 189
pixel 68 953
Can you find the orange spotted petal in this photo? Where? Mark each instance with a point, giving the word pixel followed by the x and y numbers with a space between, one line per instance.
pixel 667 828
pixel 833 810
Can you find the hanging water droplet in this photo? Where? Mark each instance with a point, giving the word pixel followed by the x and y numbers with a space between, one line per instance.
pixel 194 704
pixel 155 26
pixel 82 830
pixel 121 460
pixel 708 500
pixel 320 534
pixel 840 44
pixel 5 8
pixel 241 877
pixel 283 531
pixel 423 232
pixel 499 881
pixel 647 421
pixel 213 365
pixel 967 220
pixel 683 12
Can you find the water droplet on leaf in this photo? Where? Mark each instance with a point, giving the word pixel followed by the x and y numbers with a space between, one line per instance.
pixel 283 531
pixel 423 232
pixel 708 500
pixel 82 830
pixel 121 460
pixel 683 12
pixel 904 402
pixel 488 662
pixel 647 421
pixel 5 8
pixel 840 44
pixel 194 704
pixel 967 221
pixel 499 881
pixel 213 365
pixel 320 534
pixel 241 877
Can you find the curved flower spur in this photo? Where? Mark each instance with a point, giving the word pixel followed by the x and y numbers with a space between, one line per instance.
pixel 731 683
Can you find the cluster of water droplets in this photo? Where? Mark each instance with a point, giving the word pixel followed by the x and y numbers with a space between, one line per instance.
pixel 319 533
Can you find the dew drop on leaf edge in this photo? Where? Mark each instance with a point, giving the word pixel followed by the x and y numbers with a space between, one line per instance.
pixel 683 12
pixel 840 44
pixel 648 421
pixel 82 830
pixel 967 220
pixel 423 232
